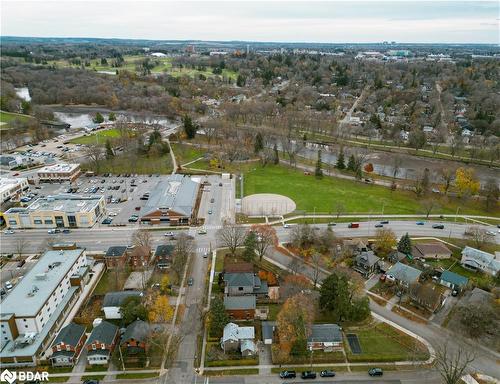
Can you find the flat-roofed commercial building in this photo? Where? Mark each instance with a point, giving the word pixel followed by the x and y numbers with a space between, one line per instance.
pixel 65 210
pixel 172 201
pixel 11 188
pixel 32 313
pixel 59 173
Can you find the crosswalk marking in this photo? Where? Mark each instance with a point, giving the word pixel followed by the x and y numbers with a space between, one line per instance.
pixel 202 250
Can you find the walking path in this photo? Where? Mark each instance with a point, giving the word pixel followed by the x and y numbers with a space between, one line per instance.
pixel 172 155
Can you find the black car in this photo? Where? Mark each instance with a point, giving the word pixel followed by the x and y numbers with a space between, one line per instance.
pixel 21 263
pixel 91 381
pixel 438 226
pixel 66 231
pixel 308 375
pixel 384 222
pixel 375 372
pixel 379 225
pixel 327 373
pixel 288 375
pixel 107 220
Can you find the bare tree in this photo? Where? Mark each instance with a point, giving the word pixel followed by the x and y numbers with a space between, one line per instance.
pixel 447 175
pixel 452 365
pixel 478 235
pixel 20 246
pixel 339 209
pixel 142 238
pixel 396 166
pixel 266 237
pixel 94 153
pixel 231 236
pixel 316 261
pixel 183 249
pixel 428 205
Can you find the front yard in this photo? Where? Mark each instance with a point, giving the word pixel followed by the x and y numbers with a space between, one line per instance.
pixel 381 342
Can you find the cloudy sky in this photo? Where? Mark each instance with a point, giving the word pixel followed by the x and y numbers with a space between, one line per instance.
pixel 287 21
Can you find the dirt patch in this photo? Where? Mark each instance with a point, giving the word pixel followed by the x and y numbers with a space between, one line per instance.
pixel 266 204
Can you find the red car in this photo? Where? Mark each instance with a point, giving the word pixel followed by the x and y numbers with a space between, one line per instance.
pixel 16 174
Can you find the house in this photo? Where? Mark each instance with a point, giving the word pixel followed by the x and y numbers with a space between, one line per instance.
pixel 163 256
pixel 101 343
pixel 240 267
pixel 396 256
pixel 431 251
pixel 366 263
pixel 116 257
pixel 239 338
pixel 59 173
pixel 325 337
pixel 403 274
pixel 453 280
pixel 246 283
pixel 67 345
pixel 240 307
pixel 427 296
pixel 113 301
pixel 134 339
pixel 355 246
pixel 477 260
pixel 268 329
pixel 139 256
pixel 172 201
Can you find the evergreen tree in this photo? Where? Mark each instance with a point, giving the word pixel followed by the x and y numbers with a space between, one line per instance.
pixel 250 244
pixel 190 128
pixel 276 159
pixel 404 245
pixel 351 164
pixel 259 143
pixel 240 81
pixel 112 116
pixel 318 172
pixel 340 159
pixel 218 317
pixel 98 119
pixel 109 150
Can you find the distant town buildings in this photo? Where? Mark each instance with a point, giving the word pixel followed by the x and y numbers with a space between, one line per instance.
pixel 59 173
pixel 12 188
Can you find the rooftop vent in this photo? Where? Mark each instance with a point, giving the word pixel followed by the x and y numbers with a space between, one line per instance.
pixel 41 276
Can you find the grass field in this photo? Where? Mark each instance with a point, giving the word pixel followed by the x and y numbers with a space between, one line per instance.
pixel 322 195
pixel 186 153
pixel 132 375
pixel 134 164
pixel 382 342
pixel 7 117
pixel 98 137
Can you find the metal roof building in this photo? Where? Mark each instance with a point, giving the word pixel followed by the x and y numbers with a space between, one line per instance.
pixel 172 200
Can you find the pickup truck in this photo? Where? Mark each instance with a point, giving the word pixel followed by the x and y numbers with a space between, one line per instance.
pixel 353 225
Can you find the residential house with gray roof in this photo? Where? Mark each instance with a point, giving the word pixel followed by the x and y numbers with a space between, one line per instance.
pixel 403 274
pixel 114 300
pixel 245 283
pixel 478 260
pixel 67 345
pixel 101 343
pixel 325 337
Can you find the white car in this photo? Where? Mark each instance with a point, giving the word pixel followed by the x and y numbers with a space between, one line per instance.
pixel 8 231
pixel 491 233
pixel 169 234
pixel 8 285
pixel 286 225
pixel 113 214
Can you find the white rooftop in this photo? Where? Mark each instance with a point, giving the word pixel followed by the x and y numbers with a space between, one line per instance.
pixel 59 168
pixel 7 183
pixel 35 288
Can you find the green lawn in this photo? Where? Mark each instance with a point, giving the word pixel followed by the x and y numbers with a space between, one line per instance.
pixel 98 137
pixel 111 280
pixel 129 163
pixel 230 372
pixel 382 342
pixel 8 117
pixel 132 375
pixel 322 195
pixel 186 153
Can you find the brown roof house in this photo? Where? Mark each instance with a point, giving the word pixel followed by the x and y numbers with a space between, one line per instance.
pixel 431 251
pixel 139 256
pixel 428 296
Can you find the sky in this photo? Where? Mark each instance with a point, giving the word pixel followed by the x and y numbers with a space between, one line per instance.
pixel 333 21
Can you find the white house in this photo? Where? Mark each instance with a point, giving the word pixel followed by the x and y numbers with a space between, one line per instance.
pixel 114 300
pixel 235 337
pixel 480 261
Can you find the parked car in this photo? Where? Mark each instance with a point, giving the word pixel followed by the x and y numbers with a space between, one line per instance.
pixel 107 220
pixel 491 233
pixel 308 375
pixel 209 211
pixel 288 375
pixel 220 184
pixel 8 285
pixel 91 381
pixel 66 231
pixel 21 264
pixel 212 200
pixel 113 214
pixel 327 373
pixel 375 372
pixel 133 219
pixel 8 232
pixel 190 281
pixel 202 231
pixel 437 226
pixel 53 230
pixel 286 225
